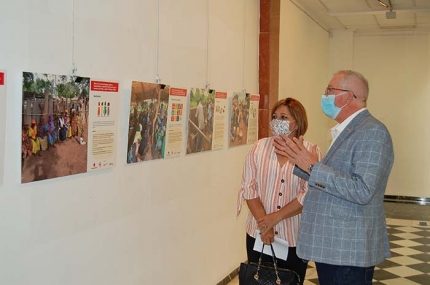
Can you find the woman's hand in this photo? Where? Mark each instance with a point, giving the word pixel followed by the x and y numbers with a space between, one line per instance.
pixel 268 222
pixel 268 237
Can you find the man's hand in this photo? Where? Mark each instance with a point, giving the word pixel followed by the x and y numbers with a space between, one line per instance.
pixel 295 151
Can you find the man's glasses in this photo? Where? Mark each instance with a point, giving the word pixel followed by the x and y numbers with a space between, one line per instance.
pixel 329 90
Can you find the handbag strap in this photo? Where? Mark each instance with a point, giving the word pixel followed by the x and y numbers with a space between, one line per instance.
pixel 256 276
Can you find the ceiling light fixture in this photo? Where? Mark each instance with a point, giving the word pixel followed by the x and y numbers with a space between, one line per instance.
pixel 391 14
pixel 382 3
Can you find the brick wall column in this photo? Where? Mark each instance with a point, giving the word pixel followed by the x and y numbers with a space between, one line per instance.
pixel 268 62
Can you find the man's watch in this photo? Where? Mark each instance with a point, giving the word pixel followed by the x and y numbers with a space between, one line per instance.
pixel 310 168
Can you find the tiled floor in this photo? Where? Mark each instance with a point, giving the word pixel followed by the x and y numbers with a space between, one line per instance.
pixel 409 234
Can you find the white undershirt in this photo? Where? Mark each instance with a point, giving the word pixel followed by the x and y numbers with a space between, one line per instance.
pixel 336 130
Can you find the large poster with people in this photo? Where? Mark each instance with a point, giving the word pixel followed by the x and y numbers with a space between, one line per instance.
pixel 200 120
pixel 147 121
pixel 238 130
pixel 54 126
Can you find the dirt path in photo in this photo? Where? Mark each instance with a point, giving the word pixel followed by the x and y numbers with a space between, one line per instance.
pixel 63 159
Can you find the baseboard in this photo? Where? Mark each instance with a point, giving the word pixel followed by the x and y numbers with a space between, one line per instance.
pixel 229 277
pixel 406 199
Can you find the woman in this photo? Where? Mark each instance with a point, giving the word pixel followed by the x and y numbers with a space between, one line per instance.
pixel 26 146
pixel 51 131
pixel 32 133
pixel 274 195
pixel 42 134
pixel 62 133
pixel 68 126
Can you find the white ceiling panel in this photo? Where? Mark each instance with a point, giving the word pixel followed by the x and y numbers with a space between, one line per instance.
pixel 369 15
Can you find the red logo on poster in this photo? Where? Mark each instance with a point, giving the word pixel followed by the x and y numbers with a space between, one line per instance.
pixel 1 78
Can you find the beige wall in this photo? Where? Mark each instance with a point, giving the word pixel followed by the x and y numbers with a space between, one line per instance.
pixel 171 221
pixel 303 67
pixel 397 67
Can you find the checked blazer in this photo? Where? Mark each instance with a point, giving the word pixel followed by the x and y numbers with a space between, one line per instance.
pixel 343 217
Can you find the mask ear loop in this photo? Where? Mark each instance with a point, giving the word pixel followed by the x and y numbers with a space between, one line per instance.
pixel 343 93
pixel 295 129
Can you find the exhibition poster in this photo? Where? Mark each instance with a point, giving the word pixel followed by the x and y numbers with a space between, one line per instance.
pixel 176 115
pixel 220 118
pixel 252 118
pixel 238 131
pixel 103 124
pixel 200 120
pixel 54 126
pixel 147 121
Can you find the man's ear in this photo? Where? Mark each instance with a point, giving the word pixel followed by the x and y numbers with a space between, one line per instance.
pixel 350 96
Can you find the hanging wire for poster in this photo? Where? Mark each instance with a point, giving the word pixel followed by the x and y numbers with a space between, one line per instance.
pixel 207 44
pixel 74 69
pixel 244 48
pixel 158 78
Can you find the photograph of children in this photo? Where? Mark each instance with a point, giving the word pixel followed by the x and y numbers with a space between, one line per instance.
pixel 200 120
pixel 239 119
pixel 54 126
pixel 147 121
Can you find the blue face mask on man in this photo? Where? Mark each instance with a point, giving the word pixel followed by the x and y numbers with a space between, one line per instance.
pixel 328 106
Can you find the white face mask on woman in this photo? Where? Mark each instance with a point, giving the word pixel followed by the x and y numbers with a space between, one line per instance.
pixel 279 127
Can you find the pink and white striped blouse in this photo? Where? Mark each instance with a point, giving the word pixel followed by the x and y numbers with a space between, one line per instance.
pixel 275 186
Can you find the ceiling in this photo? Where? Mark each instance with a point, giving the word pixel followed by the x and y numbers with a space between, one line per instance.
pixel 369 16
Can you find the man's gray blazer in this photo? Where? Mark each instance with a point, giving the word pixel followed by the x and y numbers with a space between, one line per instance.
pixel 343 218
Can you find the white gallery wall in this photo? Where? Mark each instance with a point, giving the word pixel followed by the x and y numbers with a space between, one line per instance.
pixel 303 67
pixel 170 221
pixel 397 67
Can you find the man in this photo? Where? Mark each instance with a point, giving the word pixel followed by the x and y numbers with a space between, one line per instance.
pixel 343 225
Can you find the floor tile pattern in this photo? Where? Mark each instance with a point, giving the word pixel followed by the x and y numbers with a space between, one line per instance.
pixel 409 263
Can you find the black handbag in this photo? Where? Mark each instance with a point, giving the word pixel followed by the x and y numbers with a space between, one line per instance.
pixel 266 274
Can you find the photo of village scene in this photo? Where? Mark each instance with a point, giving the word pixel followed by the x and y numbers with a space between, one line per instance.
pixel 200 120
pixel 54 126
pixel 147 121
pixel 239 119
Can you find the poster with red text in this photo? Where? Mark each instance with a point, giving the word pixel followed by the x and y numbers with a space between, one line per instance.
pixel 176 119
pixel 252 118
pixel 219 110
pixel 2 120
pixel 103 124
